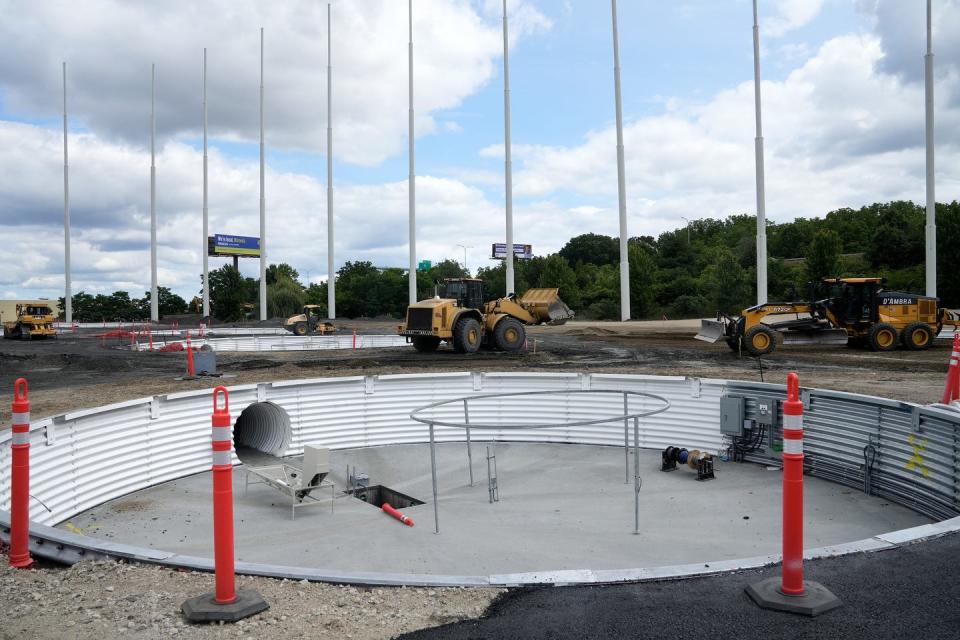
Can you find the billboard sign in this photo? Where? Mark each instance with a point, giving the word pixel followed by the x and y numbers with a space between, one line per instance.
pixel 520 251
pixel 226 245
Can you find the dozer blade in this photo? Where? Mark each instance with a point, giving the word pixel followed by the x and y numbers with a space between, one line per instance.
pixel 711 330
pixel 825 336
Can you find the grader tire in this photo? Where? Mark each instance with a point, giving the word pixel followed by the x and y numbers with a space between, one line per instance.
pixel 760 340
pixel 917 336
pixel 883 337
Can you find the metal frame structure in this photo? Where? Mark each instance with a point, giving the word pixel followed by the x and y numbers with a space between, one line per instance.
pixel 493 482
pixel 285 478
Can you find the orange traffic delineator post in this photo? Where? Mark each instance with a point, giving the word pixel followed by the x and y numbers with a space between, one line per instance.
pixel 951 391
pixel 226 603
pixel 20 478
pixel 191 373
pixel 791 592
pixel 389 510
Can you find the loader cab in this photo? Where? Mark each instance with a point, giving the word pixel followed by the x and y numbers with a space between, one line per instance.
pixel 468 292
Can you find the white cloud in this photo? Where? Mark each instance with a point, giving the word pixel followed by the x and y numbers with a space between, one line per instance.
pixel 790 15
pixel 456 52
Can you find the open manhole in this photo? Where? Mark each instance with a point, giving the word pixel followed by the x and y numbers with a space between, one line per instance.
pixel 378 494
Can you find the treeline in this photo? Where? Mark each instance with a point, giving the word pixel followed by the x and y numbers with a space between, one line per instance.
pixel 697 270
pixel 120 306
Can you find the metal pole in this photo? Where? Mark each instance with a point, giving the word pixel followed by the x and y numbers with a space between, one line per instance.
pixel 331 276
pixel 626 442
pixel 636 475
pixel 931 240
pixel 206 221
pixel 412 277
pixel 263 202
pixel 154 302
pixel 466 421
pixel 758 148
pixel 621 177
pixel 508 164
pixel 68 288
pixel 433 473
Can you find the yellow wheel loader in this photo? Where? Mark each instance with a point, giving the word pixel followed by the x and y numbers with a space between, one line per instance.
pixel 310 321
pixel 33 321
pixel 844 311
pixel 458 314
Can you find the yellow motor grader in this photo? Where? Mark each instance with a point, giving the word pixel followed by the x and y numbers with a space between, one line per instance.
pixel 459 315
pixel 844 311
pixel 32 321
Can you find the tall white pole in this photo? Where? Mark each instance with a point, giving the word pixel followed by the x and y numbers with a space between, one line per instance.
pixel 68 289
pixel 758 147
pixel 931 241
pixel 206 219
pixel 412 177
pixel 621 176
pixel 263 203
pixel 154 302
pixel 508 164
pixel 331 275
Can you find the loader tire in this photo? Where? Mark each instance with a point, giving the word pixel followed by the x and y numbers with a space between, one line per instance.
pixel 509 335
pixel 300 329
pixel 883 337
pixel 425 344
pixel 760 341
pixel 917 336
pixel 467 336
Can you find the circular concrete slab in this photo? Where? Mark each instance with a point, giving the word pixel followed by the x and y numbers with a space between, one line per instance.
pixel 561 507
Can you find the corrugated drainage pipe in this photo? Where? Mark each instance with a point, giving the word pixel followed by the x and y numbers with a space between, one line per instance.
pixel 265 427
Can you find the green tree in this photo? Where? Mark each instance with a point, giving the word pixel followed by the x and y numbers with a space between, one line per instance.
pixel 285 297
pixel 229 292
pixel 168 303
pixel 283 269
pixel 948 253
pixel 591 248
pixel 557 273
pixel 725 281
pixel 642 285
pixel 823 255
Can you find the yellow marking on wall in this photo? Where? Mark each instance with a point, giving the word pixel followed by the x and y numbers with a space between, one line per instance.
pixel 916 460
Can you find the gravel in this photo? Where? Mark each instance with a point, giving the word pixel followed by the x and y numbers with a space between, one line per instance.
pixel 98 599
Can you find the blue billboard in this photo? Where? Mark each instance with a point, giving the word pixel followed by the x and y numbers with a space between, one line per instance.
pixel 226 245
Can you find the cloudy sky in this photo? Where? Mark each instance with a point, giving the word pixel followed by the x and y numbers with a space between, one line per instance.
pixel 843 124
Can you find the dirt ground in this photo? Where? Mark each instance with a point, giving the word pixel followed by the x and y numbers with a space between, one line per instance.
pixel 107 600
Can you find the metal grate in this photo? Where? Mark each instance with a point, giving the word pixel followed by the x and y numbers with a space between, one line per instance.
pixel 420 319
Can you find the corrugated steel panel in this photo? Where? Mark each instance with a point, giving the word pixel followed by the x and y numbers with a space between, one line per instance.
pixel 285 342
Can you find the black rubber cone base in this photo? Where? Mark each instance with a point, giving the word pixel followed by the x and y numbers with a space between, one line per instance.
pixel 815 600
pixel 205 608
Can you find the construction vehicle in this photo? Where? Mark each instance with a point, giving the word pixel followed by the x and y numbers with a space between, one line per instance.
pixel 310 321
pixel 33 321
pixel 843 311
pixel 458 314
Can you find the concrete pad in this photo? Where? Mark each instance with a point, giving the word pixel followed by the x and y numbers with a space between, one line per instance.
pixel 563 508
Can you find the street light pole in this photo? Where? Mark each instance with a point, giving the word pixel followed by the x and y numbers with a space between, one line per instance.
pixel 688 228
pixel 465 247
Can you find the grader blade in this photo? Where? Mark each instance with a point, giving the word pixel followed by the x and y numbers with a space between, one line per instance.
pixel 823 336
pixel 711 330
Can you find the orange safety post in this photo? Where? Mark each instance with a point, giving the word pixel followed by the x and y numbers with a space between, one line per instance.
pixel 223 499
pixel 190 370
pixel 792 489
pixel 387 509
pixel 791 592
pixel 952 390
pixel 225 603
pixel 150 335
pixel 20 478
pixel 354 338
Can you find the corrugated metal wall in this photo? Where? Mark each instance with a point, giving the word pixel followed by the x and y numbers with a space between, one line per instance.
pixel 282 342
pixel 83 458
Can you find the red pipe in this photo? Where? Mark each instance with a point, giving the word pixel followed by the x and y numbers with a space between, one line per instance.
pixel 407 520
pixel 792 579
pixel 223 500
pixel 190 370
pixel 20 478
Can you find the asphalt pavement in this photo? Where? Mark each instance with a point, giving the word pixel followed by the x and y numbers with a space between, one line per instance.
pixel 909 592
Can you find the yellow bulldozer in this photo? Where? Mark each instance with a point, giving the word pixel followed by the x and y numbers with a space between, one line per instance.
pixel 458 314
pixel 32 321
pixel 843 311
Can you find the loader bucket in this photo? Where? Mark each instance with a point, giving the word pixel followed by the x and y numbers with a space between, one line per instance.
pixel 824 336
pixel 711 330
pixel 546 306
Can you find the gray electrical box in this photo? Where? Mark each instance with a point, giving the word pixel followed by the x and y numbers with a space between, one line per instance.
pixel 731 415
pixel 766 411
